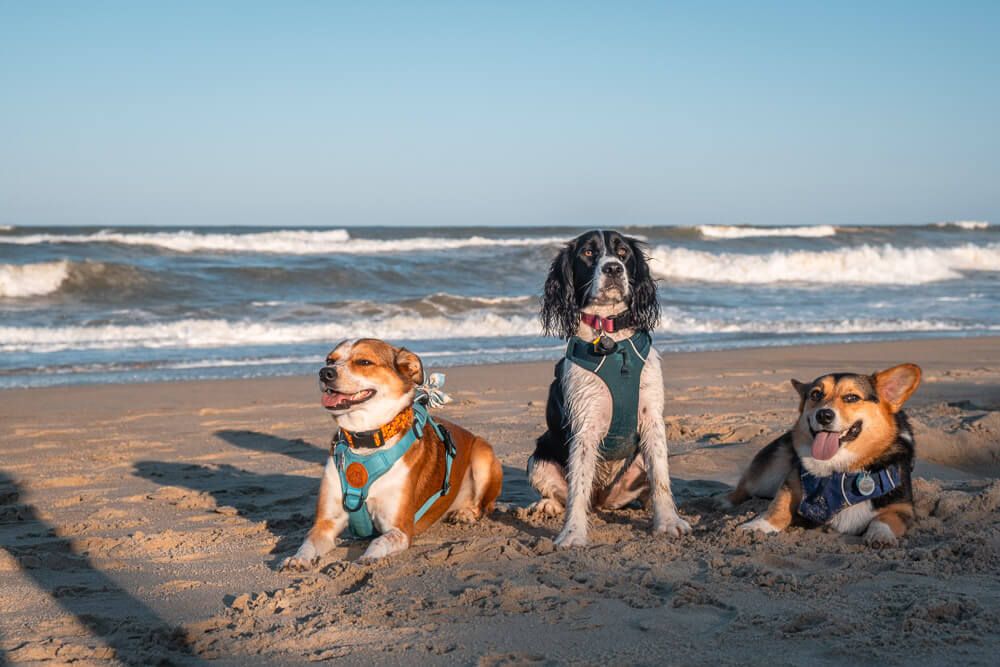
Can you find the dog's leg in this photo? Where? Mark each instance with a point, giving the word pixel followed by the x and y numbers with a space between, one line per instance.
pixel 780 512
pixel 890 524
pixel 549 479
pixel 390 542
pixel 480 486
pixel 653 445
pixel 331 520
pixel 765 474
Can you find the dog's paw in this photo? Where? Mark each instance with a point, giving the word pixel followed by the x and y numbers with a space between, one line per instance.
pixel 465 515
pixel 675 526
pixel 546 507
pixel 880 535
pixel 569 538
pixel 296 564
pixel 759 525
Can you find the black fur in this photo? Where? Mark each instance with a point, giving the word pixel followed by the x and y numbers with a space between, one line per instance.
pixel 568 282
pixel 565 294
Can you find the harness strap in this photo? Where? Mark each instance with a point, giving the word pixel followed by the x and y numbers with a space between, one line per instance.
pixel 823 497
pixel 358 472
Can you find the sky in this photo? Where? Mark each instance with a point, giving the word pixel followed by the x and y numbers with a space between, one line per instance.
pixel 506 113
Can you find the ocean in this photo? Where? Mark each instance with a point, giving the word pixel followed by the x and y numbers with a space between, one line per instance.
pixel 135 304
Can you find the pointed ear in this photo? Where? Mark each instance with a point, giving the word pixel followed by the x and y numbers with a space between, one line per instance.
pixel 409 366
pixel 895 385
pixel 801 387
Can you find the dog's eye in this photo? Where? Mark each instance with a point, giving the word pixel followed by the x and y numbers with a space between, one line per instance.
pixel 851 398
pixel 622 252
pixel 588 253
pixel 363 362
pixel 815 394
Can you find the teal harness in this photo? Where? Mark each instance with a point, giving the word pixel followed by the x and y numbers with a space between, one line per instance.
pixel 620 370
pixel 378 463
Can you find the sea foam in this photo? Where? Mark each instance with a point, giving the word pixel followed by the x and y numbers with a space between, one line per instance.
pixel 733 232
pixel 867 264
pixel 290 242
pixel 23 280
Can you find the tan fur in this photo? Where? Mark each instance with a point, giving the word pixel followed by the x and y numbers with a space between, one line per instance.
pixel 847 397
pixel 476 473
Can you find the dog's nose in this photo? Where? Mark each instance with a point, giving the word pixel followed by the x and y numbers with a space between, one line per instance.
pixel 613 269
pixel 328 374
pixel 825 416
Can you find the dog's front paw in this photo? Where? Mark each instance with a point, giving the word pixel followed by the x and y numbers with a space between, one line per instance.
pixel 675 526
pixel 570 538
pixel 880 535
pixel 759 525
pixel 546 507
pixel 466 515
pixel 296 564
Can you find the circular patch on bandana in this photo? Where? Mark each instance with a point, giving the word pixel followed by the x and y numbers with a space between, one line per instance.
pixel 356 475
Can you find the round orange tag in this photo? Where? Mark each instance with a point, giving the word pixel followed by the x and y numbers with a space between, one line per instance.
pixel 356 475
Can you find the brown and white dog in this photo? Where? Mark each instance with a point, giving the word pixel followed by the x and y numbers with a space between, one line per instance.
pixel 846 463
pixel 369 387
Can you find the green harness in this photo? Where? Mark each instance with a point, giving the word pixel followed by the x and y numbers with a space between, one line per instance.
pixel 620 371
pixel 377 463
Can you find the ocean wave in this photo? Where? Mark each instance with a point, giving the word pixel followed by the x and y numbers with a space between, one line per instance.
pixel 867 264
pixel 290 242
pixel 734 232
pixel 6 228
pixel 969 225
pixel 23 280
pixel 217 333
pixel 44 278
pixel 204 333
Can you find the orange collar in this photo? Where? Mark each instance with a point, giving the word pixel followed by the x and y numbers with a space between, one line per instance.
pixel 378 437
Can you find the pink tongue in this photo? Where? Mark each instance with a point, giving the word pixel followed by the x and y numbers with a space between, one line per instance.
pixel 332 400
pixel 825 445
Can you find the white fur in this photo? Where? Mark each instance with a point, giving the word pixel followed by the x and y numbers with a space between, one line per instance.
pixel 853 520
pixel 373 413
pixel 760 525
pixel 880 534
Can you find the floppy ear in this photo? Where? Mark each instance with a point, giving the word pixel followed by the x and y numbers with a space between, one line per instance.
pixel 409 366
pixel 560 312
pixel 801 387
pixel 644 309
pixel 895 385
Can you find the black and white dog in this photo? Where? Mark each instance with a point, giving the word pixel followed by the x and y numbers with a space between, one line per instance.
pixel 605 444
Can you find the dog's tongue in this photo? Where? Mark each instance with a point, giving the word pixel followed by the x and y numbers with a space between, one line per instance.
pixel 825 445
pixel 333 400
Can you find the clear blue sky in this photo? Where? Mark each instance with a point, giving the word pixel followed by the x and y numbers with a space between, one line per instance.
pixel 498 113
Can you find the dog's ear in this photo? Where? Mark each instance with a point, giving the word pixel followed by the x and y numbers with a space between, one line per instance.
pixel 644 309
pixel 801 387
pixel 409 366
pixel 560 311
pixel 895 385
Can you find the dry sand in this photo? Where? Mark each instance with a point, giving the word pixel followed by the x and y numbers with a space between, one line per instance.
pixel 142 524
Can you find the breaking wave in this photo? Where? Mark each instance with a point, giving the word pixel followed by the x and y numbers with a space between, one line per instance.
pixel 968 225
pixel 21 280
pixel 289 242
pixel 44 278
pixel 867 264
pixel 733 232
pixel 217 333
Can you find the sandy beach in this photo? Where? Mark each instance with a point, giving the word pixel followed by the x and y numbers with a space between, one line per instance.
pixel 142 524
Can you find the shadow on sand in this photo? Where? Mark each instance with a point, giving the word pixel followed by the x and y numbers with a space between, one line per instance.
pixel 134 631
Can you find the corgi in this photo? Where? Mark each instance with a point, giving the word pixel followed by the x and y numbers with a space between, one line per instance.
pixel 393 469
pixel 845 464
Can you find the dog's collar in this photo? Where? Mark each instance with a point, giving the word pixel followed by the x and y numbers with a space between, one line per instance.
pixel 378 437
pixel 607 324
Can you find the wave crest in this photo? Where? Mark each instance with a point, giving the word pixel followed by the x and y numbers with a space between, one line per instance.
pixel 734 232
pixel 23 280
pixel 873 265
pixel 969 225
pixel 290 242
